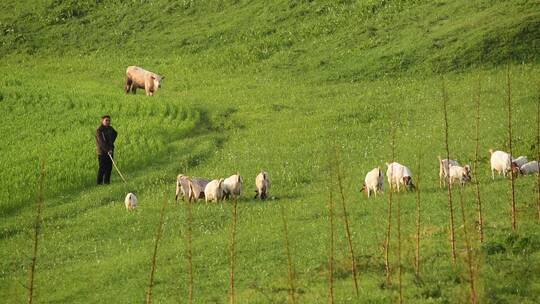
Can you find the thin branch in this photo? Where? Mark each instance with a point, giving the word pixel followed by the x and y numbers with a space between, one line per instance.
pixel 159 233
pixel 232 295
pixel 37 228
pixel 189 235
pixel 289 258
pixel 474 298
pixel 450 206
pixel 347 228
pixel 389 220
pixel 331 259
pixel 418 218
pixel 475 170
pixel 512 179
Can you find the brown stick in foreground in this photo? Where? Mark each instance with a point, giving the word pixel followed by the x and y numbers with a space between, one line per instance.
pixel 417 255
pixel 450 206
pixel 538 151
pixel 473 295
pixel 159 232
pixel 289 258
pixel 232 295
pixel 512 179
pixel 37 227
pixel 347 229
pixel 398 216
pixel 475 170
pixel 189 232
pixel 389 220
pixel 331 259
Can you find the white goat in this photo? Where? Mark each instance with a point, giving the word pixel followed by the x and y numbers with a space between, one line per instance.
pixel 529 168
pixel 462 174
pixel 196 188
pixel 444 165
pixel 262 182
pixel 214 191
pixel 131 201
pixel 520 161
pixel 232 185
pixel 374 181
pixel 501 162
pixel 397 175
pixel 181 186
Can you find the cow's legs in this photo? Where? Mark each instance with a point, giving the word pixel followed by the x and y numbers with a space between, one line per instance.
pixel 129 84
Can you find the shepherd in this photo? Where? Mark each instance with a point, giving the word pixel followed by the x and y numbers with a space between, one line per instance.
pixel 105 137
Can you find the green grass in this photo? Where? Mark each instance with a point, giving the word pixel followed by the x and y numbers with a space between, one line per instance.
pixel 249 86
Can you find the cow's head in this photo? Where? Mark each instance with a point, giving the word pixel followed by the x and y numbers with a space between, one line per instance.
pixel 157 80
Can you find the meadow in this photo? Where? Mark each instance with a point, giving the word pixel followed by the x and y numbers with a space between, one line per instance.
pixel 229 106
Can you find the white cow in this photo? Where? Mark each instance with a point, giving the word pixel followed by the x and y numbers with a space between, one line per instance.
pixel 137 77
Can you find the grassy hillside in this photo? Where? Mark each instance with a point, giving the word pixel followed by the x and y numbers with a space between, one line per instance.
pixel 254 85
pixel 329 40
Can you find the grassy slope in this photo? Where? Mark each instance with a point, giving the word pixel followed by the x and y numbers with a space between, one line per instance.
pixel 253 86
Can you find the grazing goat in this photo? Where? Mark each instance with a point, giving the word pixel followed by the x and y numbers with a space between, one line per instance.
pixel 181 186
pixel 262 182
pixel 195 192
pixel 462 174
pixel 397 175
pixel 374 181
pixel 501 162
pixel 214 191
pixel 520 161
pixel 529 168
pixel 232 186
pixel 444 165
pixel 131 201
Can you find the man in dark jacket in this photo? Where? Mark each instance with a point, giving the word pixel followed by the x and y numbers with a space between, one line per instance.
pixel 105 137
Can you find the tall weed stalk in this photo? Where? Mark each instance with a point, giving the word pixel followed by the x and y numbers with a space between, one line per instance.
pixel 159 233
pixel 290 265
pixel 512 178
pixel 232 294
pixel 389 217
pixel 331 258
pixel 418 218
pixel 538 152
pixel 347 225
pixel 475 169
pixel 473 294
pixel 37 228
pixel 189 236
pixel 398 218
pixel 450 206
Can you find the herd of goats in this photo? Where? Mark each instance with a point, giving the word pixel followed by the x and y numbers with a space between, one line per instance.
pixel 399 177
pixel 449 171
